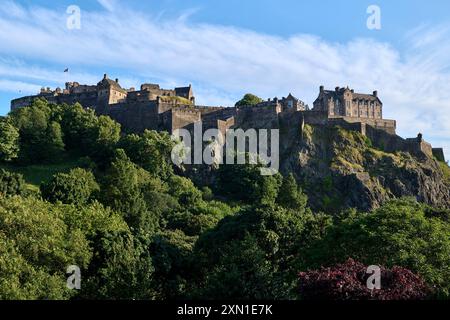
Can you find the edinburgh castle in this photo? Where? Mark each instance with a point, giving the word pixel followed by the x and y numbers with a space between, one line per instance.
pixel 155 108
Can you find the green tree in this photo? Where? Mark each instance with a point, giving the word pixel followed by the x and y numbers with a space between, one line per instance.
pixel 76 187
pixel 184 191
pixel 290 195
pixel 274 234
pixel 89 134
pixel 121 269
pixel 197 219
pixel 150 150
pixel 245 183
pixel 244 272
pixel 41 138
pixel 132 191
pixel 249 100
pixel 171 253
pixel 36 248
pixel 9 140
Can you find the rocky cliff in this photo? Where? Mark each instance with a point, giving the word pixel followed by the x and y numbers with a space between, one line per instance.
pixel 340 169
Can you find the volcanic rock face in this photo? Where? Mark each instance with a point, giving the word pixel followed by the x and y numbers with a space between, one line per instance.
pixel 340 169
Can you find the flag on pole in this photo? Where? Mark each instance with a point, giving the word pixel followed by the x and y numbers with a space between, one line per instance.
pixel 66 70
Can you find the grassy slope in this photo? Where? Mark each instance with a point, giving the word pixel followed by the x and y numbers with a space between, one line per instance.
pixel 34 175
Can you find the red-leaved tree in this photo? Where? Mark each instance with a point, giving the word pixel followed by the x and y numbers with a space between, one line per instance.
pixel 348 281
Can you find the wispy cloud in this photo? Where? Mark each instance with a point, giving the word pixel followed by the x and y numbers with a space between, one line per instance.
pixel 225 62
pixel 18 87
pixel 109 5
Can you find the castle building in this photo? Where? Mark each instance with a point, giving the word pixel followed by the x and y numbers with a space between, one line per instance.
pixel 346 103
pixel 108 93
pixel 155 108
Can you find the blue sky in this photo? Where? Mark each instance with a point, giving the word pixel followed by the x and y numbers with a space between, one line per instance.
pixel 228 48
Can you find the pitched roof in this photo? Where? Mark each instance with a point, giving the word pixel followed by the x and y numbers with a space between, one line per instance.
pixel 292 97
pixel 363 96
pixel 105 82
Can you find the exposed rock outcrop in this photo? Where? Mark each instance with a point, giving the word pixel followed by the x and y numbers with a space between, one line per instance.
pixel 340 169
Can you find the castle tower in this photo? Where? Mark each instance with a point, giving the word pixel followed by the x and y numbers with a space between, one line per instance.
pixel 110 92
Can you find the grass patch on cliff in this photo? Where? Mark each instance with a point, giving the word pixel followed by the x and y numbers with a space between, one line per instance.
pixel 178 100
pixel 340 163
pixel 348 148
pixel 308 131
pixel 446 171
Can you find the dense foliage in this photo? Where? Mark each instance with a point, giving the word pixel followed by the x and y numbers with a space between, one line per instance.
pixel 402 232
pixel 139 229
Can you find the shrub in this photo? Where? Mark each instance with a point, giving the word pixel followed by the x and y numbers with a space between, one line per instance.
pixel 11 183
pixel 348 281
pixel 76 187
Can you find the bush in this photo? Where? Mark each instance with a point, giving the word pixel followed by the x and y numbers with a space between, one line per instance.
pixel 11 184
pixel 348 281
pixel 76 187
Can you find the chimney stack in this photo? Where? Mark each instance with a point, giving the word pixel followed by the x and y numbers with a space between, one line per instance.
pixel 105 76
pixel 337 89
pixel 321 89
pixel 117 80
pixel 375 93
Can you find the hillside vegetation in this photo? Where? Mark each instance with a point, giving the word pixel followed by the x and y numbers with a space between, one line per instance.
pixel 76 190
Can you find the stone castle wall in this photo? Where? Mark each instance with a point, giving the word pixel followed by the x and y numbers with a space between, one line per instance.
pixel 382 124
pixel 438 153
pixel 183 117
pixel 258 117
pixel 135 117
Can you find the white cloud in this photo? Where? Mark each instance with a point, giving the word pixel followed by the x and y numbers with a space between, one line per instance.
pixel 109 5
pixel 224 62
pixel 18 87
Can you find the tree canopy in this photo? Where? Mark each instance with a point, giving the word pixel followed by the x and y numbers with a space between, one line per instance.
pixel 249 100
